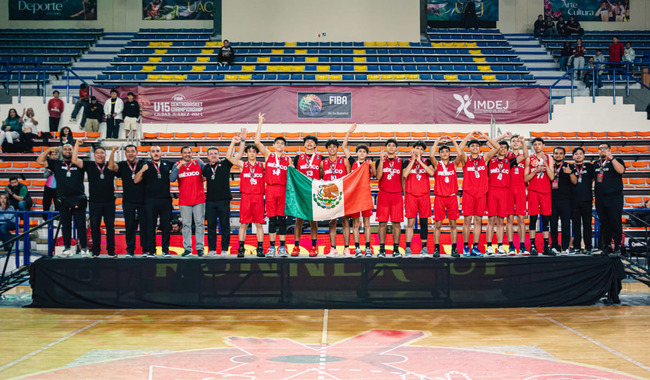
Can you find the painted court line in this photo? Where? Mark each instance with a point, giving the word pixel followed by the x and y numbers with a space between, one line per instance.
pixel 8 365
pixel 323 339
pixel 597 343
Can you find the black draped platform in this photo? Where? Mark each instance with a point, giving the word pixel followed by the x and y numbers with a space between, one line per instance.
pixel 323 282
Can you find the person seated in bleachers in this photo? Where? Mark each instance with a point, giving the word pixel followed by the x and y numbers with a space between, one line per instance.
pixel 550 27
pixel 11 127
pixel 560 26
pixel 599 60
pixel 65 137
pixel 629 55
pixel 6 221
pixel 539 28
pixel 226 54
pixel 573 27
pixel 18 195
pixel 589 76
pixel 565 55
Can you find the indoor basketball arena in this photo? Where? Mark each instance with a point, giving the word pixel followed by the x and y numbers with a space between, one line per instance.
pixel 285 189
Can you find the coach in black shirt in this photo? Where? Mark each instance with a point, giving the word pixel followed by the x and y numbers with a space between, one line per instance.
pixel 158 200
pixel 608 172
pixel 101 185
pixel 70 197
pixel 217 200
pixel 561 188
pixel 581 201
pixel 133 198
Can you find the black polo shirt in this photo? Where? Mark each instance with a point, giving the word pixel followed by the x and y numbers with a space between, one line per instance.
pixel 582 191
pixel 132 192
pixel 101 187
pixel 612 182
pixel 564 190
pixel 154 187
pixel 218 188
pixel 72 185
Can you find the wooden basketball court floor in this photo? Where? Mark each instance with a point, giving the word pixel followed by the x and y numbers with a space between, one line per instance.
pixel 595 342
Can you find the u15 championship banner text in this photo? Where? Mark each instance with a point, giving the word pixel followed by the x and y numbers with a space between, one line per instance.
pixel 452 10
pixel 53 10
pixel 177 9
pixel 368 105
pixel 588 10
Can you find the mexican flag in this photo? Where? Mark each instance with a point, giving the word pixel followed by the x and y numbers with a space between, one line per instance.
pixel 313 199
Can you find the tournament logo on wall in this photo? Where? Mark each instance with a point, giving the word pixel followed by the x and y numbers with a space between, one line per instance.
pixel 452 10
pixel 588 10
pixel 53 10
pixel 324 105
pixel 177 9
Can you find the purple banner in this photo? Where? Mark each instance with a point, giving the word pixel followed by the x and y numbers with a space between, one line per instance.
pixel 368 105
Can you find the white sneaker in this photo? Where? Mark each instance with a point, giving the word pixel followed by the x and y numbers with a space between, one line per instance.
pixel 85 253
pixel 490 250
pixel 270 252
pixel 282 251
pixel 346 252
pixel 66 253
pixel 224 253
pixel 501 251
pixel 212 254
pixel 555 251
pixel 333 252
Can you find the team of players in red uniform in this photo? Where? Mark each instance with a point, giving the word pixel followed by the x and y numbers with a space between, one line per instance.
pixel 505 183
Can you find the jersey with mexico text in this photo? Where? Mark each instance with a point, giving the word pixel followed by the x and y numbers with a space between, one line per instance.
pixel 190 184
pixel 446 179
pixel 276 169
pixel 417 182
pixel 540 182
pixel 309 165
pixel 252 178
pixel 391 180
pixel 475 176
pixel 333 169
pixel 499 169
pixel 516 171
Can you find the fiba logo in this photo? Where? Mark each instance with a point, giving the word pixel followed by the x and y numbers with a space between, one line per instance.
pixel 178 97
pixel 310 105
pixel 465 102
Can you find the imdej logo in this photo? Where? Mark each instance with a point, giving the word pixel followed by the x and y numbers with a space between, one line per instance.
pixel 483 106
pixel 310 105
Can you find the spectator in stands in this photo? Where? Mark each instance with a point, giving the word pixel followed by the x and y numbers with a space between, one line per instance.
pixel 640 218
pixel 226 54
pixel 629 55
pixel 65 137
pixel 539 28
pixel 18 195
pixel 29 120
pixel 11 127
pixel 589 76
pixel 55 108
pixel 131 115
pixel 573 27
pixel 84 95
pixel 94 114
pixel 113 110
pixel 609 198
pixel 565 55
pixel 49 190
pixel 469 15
pixel 616 51
pixel 603 11
pixel 550 27
pixel 7 224
pixel 579 58
pixel 599 60
pixel 560 26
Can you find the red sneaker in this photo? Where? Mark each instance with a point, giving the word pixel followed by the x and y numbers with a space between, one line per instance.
pixel 295 251
pixel 313 251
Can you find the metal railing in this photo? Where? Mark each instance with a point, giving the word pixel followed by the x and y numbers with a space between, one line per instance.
pixel 615 68
pixel 69 71
pixel 41 78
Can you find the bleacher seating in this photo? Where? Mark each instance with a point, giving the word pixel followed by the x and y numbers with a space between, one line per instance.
pixel 471 58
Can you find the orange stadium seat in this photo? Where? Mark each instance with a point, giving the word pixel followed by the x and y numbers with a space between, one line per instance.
pixel 639 165
pixel 403 135
pixel 629 135
pixel 273 135
pixel 642 149
pixel 321 149
pixel 228 135
pixel 553 135
pixel 584 135
pixel 292 149
pixel 38 182
pixel 323 135
pixel 599 135
pixel 626 149
pixel 386 135
pixel 150 135
pixel 213 135
pixel 356 135
pixel 614 135
pixel 591 149
pixel 84 149
pixel 339 135
pixel 120 223
pixel 292 136
pixel 35 166
pixel 20 165
pixel 418 135
pixel 374 149
pixel 537 134
pixel 118 183
pixel 460 135
pixel 5 165
pixel 4 183
pixel 568 135
pixel 175 149
pixel 197 135
pixel 119 201
pixel 79 135
pixel 165 135
pixel 143 148
pixel 404 149
pixel 371 135
pixel 222 149
pixel 548 149
pixel 637 182
pixel 182 135
pixel 433 135
pixel 643 134
pixel 93 135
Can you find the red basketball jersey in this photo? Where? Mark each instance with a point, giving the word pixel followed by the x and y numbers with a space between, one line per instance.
pixel 334 169
pixel 190 185
pixel 517 173
pixel 499 172
pixel 475 176
pixel 252 178
pixel 391 180
pixel 540 182
pixel 417 182
pixel 275 171
pixel 309 165
pixel 446 180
